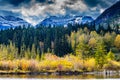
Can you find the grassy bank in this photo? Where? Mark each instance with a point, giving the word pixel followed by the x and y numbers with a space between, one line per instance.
pixel 52 63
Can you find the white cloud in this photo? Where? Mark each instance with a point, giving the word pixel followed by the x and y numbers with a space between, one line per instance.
pixel 79 5
pixel 94 8
pixel 32 21
pixel 44 10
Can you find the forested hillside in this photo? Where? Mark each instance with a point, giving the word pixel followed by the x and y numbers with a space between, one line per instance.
pixel 57 40
pixel 78 48
pixel 44 39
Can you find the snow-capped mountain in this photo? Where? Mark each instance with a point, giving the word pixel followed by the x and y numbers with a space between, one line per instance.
pixel 110 16
pixel 7 22
pixel 65 20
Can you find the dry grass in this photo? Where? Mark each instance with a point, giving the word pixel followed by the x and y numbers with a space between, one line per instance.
pixel 54 63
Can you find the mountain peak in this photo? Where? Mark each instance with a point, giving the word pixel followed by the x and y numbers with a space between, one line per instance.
pixel 7 22
pixel 65 20
pixel 111 11
pixel 110 17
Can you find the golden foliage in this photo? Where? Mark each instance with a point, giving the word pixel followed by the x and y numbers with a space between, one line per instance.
pixel 89 64
pixel 92 42
pixel 54 63
pixel 112 65
pixel 117 41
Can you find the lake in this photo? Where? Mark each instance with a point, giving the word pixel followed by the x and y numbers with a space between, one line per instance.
pixel 36 77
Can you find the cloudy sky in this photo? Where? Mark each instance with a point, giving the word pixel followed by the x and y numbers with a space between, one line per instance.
pixel 35 11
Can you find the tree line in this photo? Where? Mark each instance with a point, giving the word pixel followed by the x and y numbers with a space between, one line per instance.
pixel 74 39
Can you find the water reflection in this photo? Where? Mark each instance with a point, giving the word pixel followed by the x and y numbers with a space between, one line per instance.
pixel 84 76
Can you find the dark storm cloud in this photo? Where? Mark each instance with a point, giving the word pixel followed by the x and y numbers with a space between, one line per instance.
pixel 46 1
pixel 71 2
pixel 41 0
pixel 101 3
pixel 13 2
pixel 26 2
pixel 92 3
pixel 16 2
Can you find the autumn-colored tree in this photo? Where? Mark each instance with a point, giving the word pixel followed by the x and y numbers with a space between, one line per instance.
pixel 100 55
pixel 117 41
pixel 73 40
pixel 12 51
pixel 83 48
pixel 108 40
pixel 110 55
pixel 33 52
pixel 92 42
pixel 93 34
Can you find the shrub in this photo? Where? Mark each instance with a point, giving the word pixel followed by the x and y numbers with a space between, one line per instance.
pixel 76 62
pixel 33 65
pixel 44 65
pixel 89 64
pixel 54 65
pixel 112 65
pixel 64 65
pixel 13 65
pixel 50 56
pixel 23 65
pixel 4 65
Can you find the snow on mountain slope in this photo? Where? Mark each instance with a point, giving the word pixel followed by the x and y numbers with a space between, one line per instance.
pixel 7 22
pixel 65 20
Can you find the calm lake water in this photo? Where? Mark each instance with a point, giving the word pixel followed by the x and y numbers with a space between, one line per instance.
pixel 35 77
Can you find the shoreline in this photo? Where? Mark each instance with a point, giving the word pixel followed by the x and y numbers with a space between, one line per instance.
pixel 42 73
pixel 107 72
